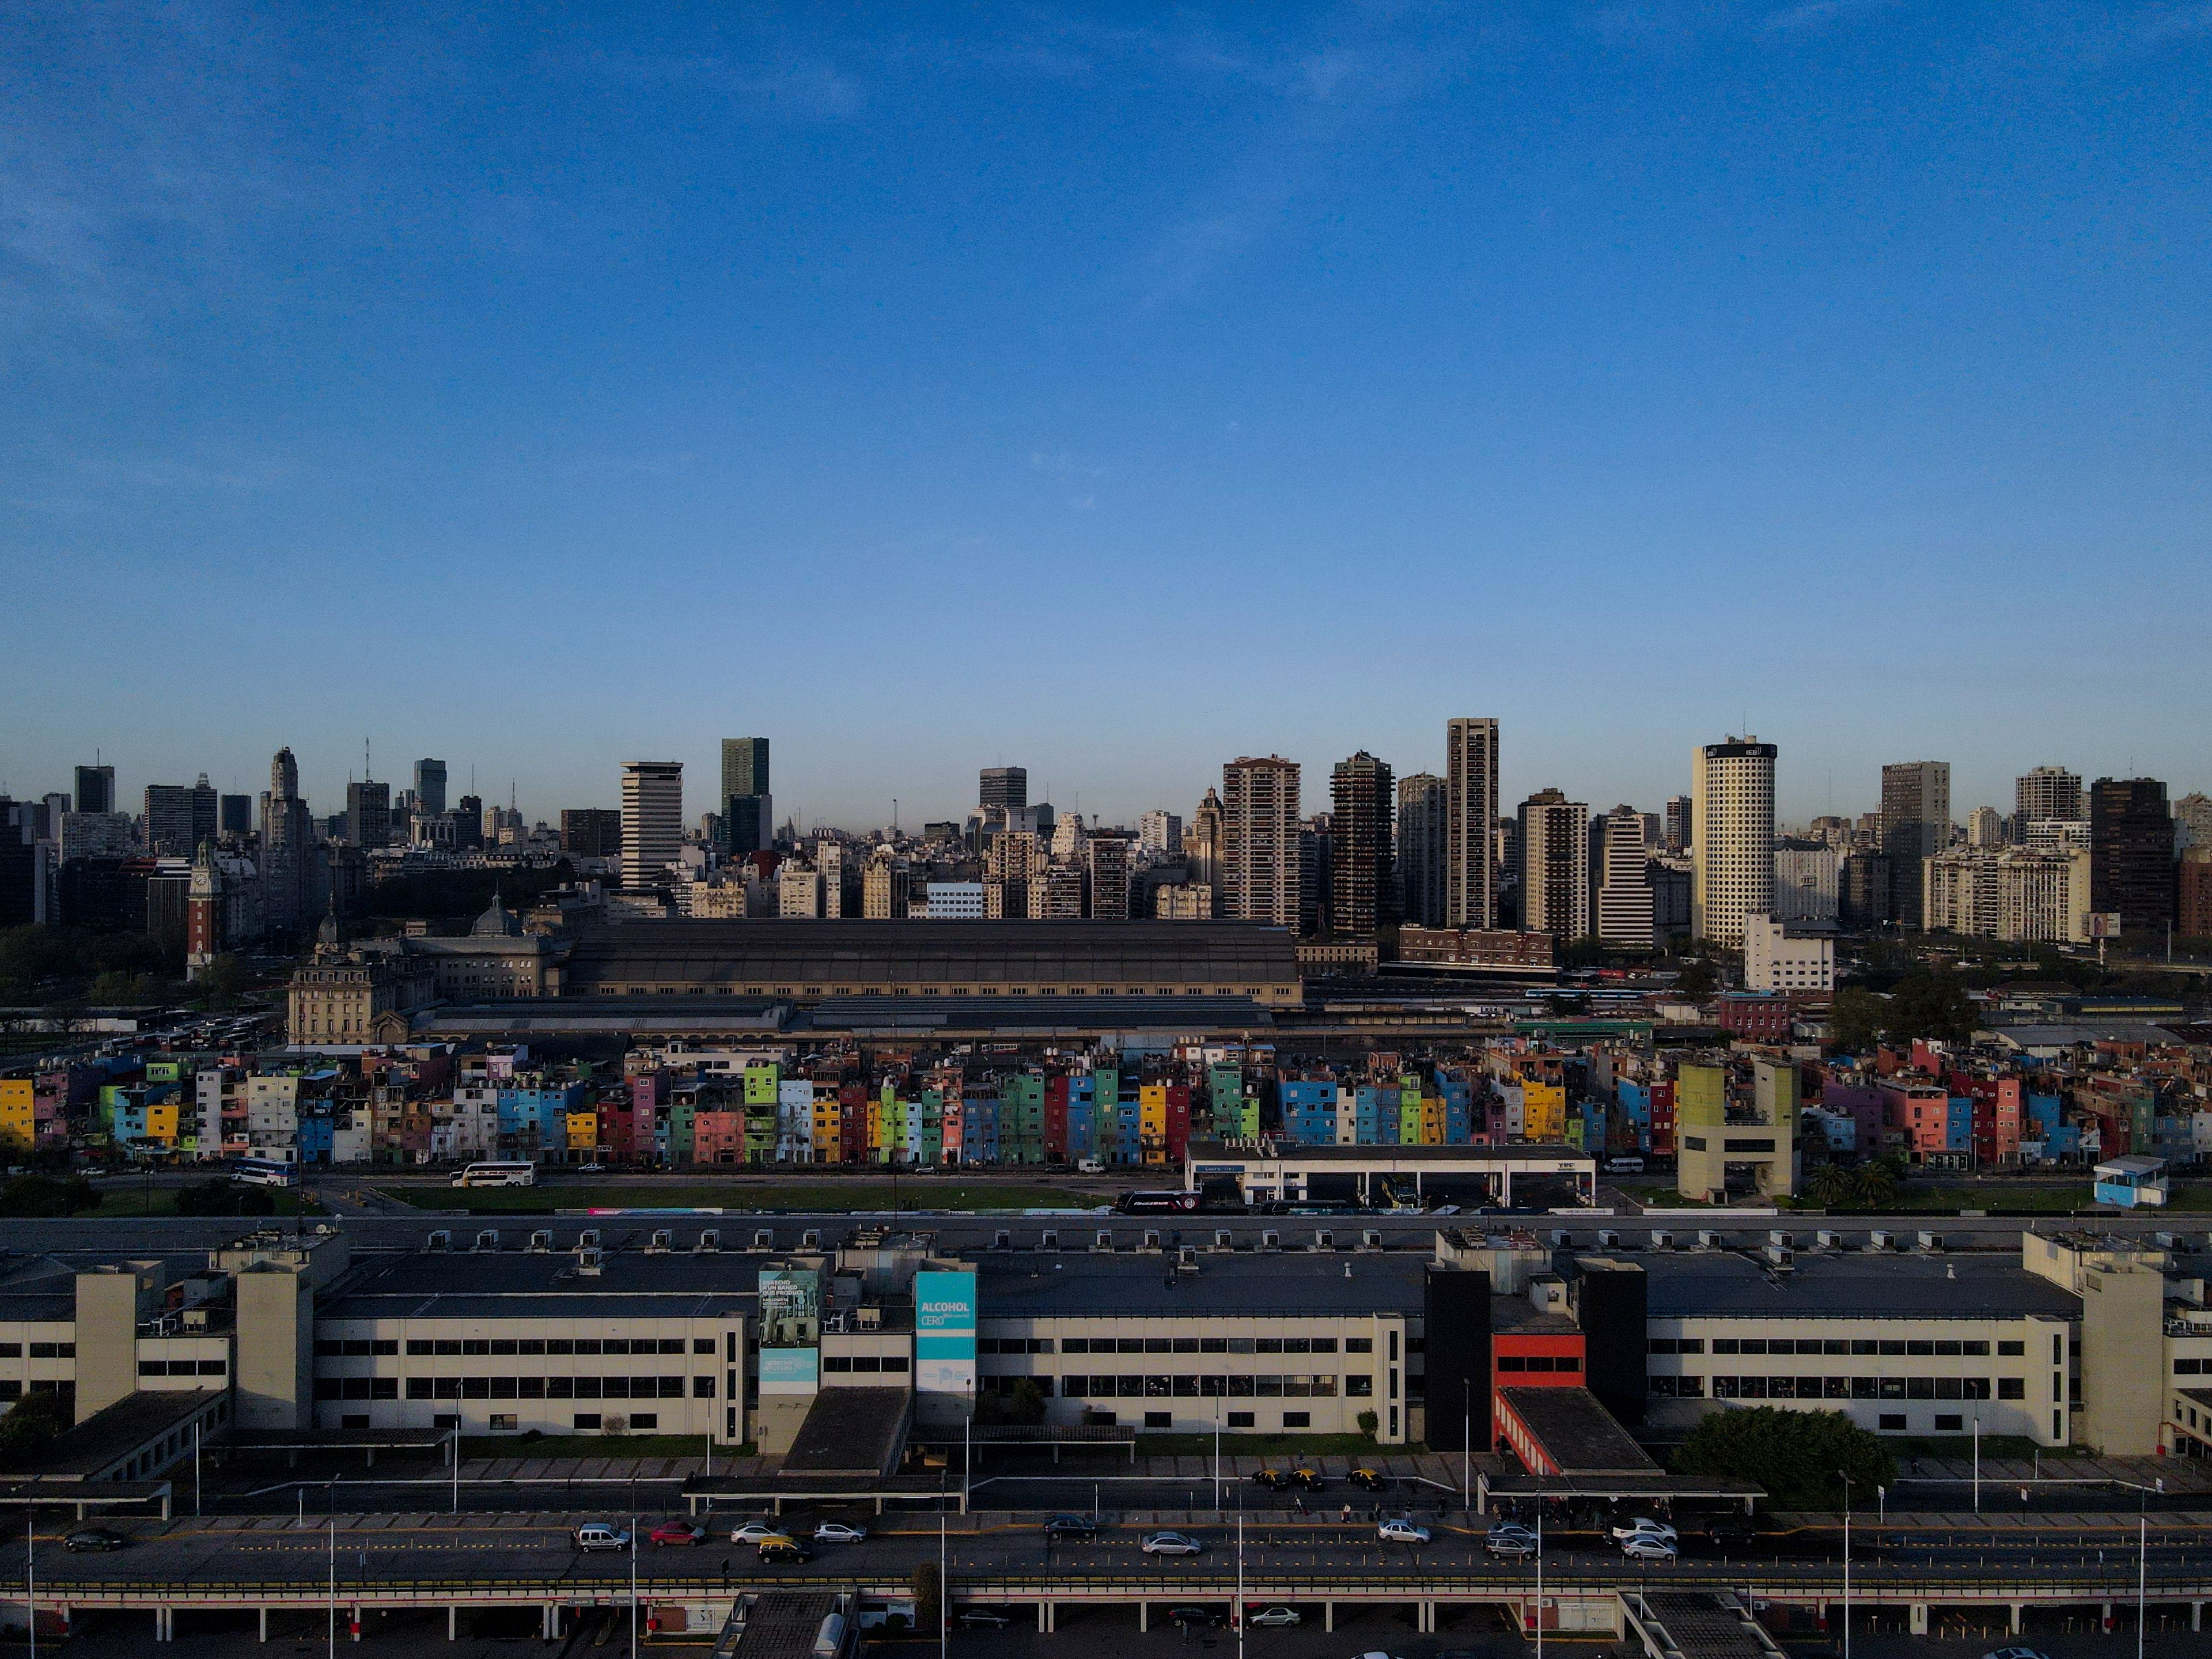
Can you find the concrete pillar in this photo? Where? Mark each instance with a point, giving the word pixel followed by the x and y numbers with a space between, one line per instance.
pixel 263 1613
pixel 1919 1619
pixel 2105 1617
pixel 2017 1610
pixel 1042 1608
pixel 1051 1617
pixel 1144 1617
pixel 1329 1617
pixel 2197 1615
pixel 355 1623
pixel 452 1624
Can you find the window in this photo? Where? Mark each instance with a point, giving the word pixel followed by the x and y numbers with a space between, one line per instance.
pixel 1359 1388
pixel 703 1345
pixel 1359 1345
pixel 418 1388
pixel 1891 1423
pixel 703 1388
pixel 2012 1350
pixel 645 1419
pixel 1159 1420
pixel 587 1419
pixel 1240 1420
pixel 417 1346
pixel 1949 1425
pixel 2011 1388
pixel 502 1422
pixel 1297 1420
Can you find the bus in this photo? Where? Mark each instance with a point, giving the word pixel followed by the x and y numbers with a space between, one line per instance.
pixel 265 1172
pixel 497 1175
pixel 1155 1202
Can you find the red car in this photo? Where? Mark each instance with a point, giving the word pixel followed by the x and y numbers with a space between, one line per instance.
pixel 676 1532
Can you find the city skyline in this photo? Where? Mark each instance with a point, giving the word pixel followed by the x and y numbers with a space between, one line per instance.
pixel 1514 341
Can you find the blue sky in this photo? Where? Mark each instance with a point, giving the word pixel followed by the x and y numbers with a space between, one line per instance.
pixel 1111 391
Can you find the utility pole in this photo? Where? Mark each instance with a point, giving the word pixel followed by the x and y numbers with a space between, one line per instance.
pixel 1847 1565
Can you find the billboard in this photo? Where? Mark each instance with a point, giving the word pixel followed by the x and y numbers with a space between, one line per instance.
pixel 945 1333
pixel 2102 924
pixel 790 1330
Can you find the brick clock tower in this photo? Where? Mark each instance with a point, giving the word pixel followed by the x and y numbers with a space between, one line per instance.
pixel 202 912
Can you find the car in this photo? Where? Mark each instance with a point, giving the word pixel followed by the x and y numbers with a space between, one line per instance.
pixel 1648 1546
pixel 95 1540
pixel 1645 1527
pixel 678 1532
pixel 1731 1528
pixel 1201 1618
pixel 1399 1530
pixel 837 1532
pixel 1510 1542
pixel 601 1536
pixel 2013 1653
pixel 1079 1527
pixel 785 1549
pixel 1276 1616
pixel 1171 1543
pixel 752 1532
pixel 981 1618
pixel 1273 1479
pixel 1368 1479
pixel 1307 1480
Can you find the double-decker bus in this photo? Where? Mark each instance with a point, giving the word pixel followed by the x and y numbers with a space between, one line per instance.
pixel 265 1172
pixel 496 1173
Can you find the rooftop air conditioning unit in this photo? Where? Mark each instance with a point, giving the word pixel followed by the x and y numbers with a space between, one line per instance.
pixel 763 1239
pixel 1608 1239
pixel 1151 1238
pixel 1663 1240
pixel 1223 1239
pixel 588 1239
pixel 1003 1239
pixel 541 1239
pixel 810 1239
pixel 1050 1240
pixel 588 1262
pixel 1102 1240
pixel 1271 1240
pixel 710 1240
pixel 1186 1257
pixel 1879 1239
pixel 1828 1239
pixel 1785 1240
pixel 1779 1257
pixel 1710 1240
pixel 488 1239
pixel 1370 1238
pixel 1324 1239
pixel 1929 1241
pixel 663 1240
pixel 440 1240
pixel 1562 1241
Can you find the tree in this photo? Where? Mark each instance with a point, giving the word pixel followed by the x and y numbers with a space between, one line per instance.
pixel 1856 1019
pixel 928 1598
pixel 1368 1424
pixel 41 1197
pixel 1697 980
pixel 1796 1455
pixel 1875 1183
pixel 31 1424
pixel 223 980
pixel 1831 1185
pixel 1930 1005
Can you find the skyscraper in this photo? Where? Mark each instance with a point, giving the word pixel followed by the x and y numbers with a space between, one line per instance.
pixel 1259 841
pixel 429 787
pixel 369 814
pixel 236 819
pixel 1109 878
pixel 1421 849
pixel 591 832
pixel 1471 824
pixel 1731 837
pixel 2131 868
pixel 1678 833
pixel 1361 801
pixel 653 819
pixel 1619 861
pixel 96 789
pixel 293 875
pixel 1201 850
pixel 2048 791
pixel 1555 865
pixel 748 805
pixel 1004 786
pixel 178 819
pixel 1159 832
pixel 1916 825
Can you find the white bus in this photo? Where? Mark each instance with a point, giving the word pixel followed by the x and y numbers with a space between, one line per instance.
pixel 497 1175
pixel 265 1172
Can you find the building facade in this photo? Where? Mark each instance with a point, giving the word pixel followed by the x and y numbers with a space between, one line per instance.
pixel 1732 837
pixel 653 820
pixel 1471 865
pixel 1260 824
pixel 1361 801
pixel 1554 866
pixel 1916 825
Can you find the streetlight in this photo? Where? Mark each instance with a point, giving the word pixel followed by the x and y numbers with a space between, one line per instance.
pixel 1847 1563
pixel 2143 1551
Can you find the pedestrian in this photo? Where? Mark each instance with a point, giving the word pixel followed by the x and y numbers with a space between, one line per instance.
pixel 1346 1516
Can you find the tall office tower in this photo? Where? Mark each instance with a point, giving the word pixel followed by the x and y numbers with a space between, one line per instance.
pixel 1109 878
pixel 2048 791
pixel 96 789
pixel 1160 833
pixel 590 832
pixel 1985 827
pixel 1805 880
pixel 1916 825
pixel 1678 824
pixel 2131 873
pixel 1731 837
pixel 293 873
pixel 179 819
pixel 748 805
pixel 1316 910
pixel 1362 802
pixel 1259 841
pixel 234 820
pixel 1202 849
pixel 429 787
pixel 369 814
pixel 1421 849
pixel 1005 786
pixel 1620 877
pixel 653 819
pixel 1554 866
pixel 1471 824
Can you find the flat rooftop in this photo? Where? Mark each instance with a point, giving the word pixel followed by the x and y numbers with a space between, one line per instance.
pixel 515 1284
pixel 1294 1284
pixel 1383 1158
pixel 1577 1433
pixel 113 1432
pixel 851 1431
pixel 1714 1284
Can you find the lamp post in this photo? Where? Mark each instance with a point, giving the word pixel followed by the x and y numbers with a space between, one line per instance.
pixel 30 1574
pixel 632 1578
pixel 1467 1445
pixel 1847 1564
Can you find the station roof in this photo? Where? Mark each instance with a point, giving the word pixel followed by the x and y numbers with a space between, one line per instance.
pixel 1384 1158
pixel 1294 1284
pixel 1577 1433
pixel 1718 1284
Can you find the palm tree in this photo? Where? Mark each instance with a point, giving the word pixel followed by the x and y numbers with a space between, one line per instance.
pixel 1831 1185
pixel 1876 1184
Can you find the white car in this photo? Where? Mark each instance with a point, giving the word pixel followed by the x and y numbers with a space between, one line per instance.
pixel 1648 1546
pixel 1171 1543
pixel 1270 1617
pixel 1401 1531
pixel 601 1536
pixel 837 1532
pixel 1645 1527
pixel 754 1532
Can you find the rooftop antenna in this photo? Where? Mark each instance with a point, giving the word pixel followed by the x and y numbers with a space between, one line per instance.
pixel 365 772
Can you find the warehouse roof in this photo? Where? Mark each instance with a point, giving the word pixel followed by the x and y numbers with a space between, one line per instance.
pixel 513 1284
pixel 1720 1285
pixel 1287 1286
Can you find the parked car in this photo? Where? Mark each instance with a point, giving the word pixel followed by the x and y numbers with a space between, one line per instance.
pixel 1645 1527
pixel 837 1532
pixel 1731 1527
pixel 601 1536
pixel 981 1618
pixel 2013 1653
pixel 94 1540
pixel 752 1532
pixel 1307 1480
pixel 1078 1528
pixel 1201 1618
pixel 1368 1479
pixel 678 1532
pixel 1171 1543
pixel 1273 1479
pixel 1401 1530
pixel 1510 1542
pixel 1276 1616
pixel 784 1549
pixel 1648 1546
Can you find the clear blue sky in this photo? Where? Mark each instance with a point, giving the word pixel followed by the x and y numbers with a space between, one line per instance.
pixel 1105 390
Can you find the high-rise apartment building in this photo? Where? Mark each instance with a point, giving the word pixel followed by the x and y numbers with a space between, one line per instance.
pixel 2008 893
pixel 1679 825
pixel 1362 797
pixel 369 814
pixel 1806 873
pixel 1554 866
pixel 590 832
pixel 1421 849
pixel 1620 879
pixel 653 820
pixel 1260 824
pixel 429 787
pixel 293 875
pixel 96 789
pixel 1471 824
pixel 2192 819
pixel 1006 787
pixel 2048 791
pixel 1731 837
pixel 1916 825
pixel 885 887
pixel 748 805
pixel 179 819
pixel 1159 832
pixel 1985 827
pixel 2131 873
pixel 1109 878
